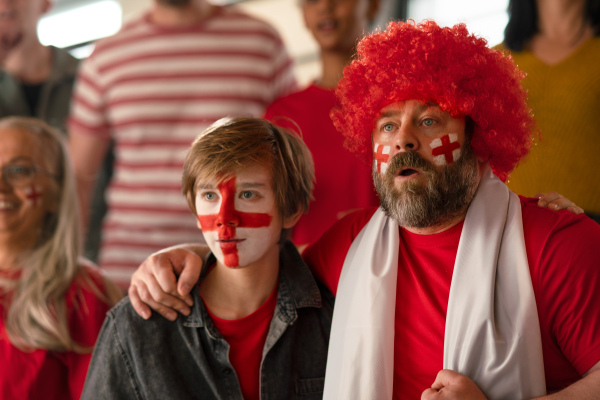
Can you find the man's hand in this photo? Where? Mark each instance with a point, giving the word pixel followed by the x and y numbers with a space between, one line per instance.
pixel 555 201
pixel 163 282
pixel 450 385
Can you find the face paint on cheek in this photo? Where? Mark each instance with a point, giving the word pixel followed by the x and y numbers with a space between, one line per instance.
pixel 445 150
pixel 381 155
pixel 227 220
pixel 32 193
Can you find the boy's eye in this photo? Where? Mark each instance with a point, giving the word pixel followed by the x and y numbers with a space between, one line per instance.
pixel 246 194
pixel 428 122
pixel 210 196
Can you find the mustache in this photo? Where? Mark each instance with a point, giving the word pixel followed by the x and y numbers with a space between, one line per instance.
pixel 409 159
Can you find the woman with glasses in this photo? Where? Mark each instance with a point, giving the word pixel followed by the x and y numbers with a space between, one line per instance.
pixel 52 305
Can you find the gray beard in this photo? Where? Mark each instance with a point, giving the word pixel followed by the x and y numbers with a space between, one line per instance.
pixel 447 193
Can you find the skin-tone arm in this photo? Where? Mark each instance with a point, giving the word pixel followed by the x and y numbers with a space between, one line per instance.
pixel 87 152
pixel 555 201
pixel 450 385
pixel 164 280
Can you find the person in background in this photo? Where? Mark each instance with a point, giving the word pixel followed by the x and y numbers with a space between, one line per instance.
pixel 52 302
pixel 261 326
pixel 37 81
pixel 343 182
pixel 455 288
pixel 557 44
pixel 152 87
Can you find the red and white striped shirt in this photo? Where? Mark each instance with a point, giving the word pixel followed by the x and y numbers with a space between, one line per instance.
pixel 153 90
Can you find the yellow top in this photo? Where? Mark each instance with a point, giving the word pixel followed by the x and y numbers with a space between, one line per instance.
pixel 565 99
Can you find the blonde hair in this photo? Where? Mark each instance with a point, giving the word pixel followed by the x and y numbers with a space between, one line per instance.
pixel 36 316
pixel 231 144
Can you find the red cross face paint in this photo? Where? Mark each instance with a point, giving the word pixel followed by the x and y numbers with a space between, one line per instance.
pixel 445 150
pixel 34 195
pixel 23 209
pixel 381 156
pixel 239 218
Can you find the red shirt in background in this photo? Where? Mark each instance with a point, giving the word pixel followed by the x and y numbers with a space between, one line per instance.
pixel 49 375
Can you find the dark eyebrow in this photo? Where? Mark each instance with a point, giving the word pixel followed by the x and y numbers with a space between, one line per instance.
pixel 205 186
pixel 250 185
pixel 392 113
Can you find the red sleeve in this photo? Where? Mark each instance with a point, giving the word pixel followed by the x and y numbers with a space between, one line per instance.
pixel 563 254
pixel 326 256
pixel 86 316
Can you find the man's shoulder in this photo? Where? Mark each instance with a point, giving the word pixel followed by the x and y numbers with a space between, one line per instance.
pixel 558 237
pixel 340 236
pixel 543 219
pixel 354 221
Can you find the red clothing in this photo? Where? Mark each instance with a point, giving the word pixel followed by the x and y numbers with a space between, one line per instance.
pixel 343 182
pixel 561 250
pixel 49 375
pixel 246 338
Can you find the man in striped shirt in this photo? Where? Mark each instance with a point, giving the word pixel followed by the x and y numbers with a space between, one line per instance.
pixel 153 87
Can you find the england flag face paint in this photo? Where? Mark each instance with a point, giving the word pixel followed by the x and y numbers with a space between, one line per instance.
pixel 239 217
pixel 381 156
pixel 445 150
pixel 33 194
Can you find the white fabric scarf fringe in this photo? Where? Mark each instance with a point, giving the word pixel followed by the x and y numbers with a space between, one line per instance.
pixel 492 330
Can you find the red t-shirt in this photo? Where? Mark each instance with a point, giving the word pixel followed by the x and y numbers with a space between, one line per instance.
pixel 246 338
pixel 43 374
pixel 343 181
pixel 565 271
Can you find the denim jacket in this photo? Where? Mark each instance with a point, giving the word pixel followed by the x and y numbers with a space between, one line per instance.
pixel 188 358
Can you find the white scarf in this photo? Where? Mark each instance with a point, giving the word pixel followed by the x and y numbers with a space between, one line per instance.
pixel 492 329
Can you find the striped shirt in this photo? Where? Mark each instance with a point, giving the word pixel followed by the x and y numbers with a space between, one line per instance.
pixel 153 90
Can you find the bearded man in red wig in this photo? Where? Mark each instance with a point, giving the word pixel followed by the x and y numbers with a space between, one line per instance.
pixel 455 288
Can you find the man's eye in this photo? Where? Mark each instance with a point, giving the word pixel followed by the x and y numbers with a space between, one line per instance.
pixel 428 122
pixel 246 194
pixel 388 127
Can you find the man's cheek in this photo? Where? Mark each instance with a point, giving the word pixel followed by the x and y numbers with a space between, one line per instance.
pixel 445 150
pixel 381 156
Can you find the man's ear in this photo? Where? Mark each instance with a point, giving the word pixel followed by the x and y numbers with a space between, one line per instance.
pixel 289 222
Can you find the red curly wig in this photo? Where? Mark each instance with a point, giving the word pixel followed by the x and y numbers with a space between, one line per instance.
pixel 445 66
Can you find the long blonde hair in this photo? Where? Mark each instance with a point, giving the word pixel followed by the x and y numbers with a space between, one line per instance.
pixel 36 316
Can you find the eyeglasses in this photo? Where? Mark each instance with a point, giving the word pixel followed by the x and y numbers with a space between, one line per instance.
pixel 22 174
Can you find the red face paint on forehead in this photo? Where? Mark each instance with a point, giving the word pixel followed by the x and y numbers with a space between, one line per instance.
pixel 228 219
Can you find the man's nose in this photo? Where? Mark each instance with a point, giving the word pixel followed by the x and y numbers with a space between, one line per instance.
pixel 406 139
